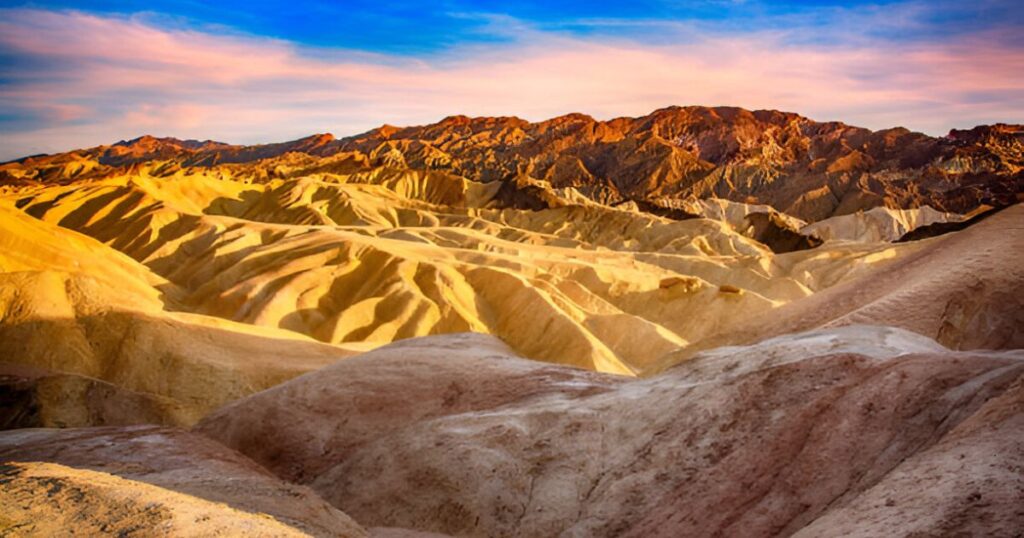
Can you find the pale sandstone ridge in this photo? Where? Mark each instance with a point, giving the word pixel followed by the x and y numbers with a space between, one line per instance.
pixel 822 433
pixel 879 224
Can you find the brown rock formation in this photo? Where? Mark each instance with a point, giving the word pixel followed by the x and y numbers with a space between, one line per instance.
pixel 808 169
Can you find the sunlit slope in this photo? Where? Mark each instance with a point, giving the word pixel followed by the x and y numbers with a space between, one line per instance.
pixel 964 289
pixel 880 223
pixel 73 305
pixel 348 258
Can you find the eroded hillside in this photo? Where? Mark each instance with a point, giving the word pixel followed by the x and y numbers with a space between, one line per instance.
pixel 822 319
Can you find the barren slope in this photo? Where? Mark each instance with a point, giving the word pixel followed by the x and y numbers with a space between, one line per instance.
pixel 799 434
pixel 71 305
pixel 499 274
pixel 963 289
pixel 145 480
pixel 347 262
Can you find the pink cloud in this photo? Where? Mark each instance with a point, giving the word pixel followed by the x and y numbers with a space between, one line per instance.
pixel 120 77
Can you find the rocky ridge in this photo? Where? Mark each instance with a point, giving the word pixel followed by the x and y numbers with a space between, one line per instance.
pixel 808 169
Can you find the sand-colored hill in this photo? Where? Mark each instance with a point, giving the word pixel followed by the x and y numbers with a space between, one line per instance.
pixel 93 322
pixel 355 263
pixel 962 289
pixel 803 434
pixel 147 480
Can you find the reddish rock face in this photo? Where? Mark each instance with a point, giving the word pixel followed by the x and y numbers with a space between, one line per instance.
pixel 808 169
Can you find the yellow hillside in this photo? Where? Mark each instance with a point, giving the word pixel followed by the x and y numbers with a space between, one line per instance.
pixel 366 259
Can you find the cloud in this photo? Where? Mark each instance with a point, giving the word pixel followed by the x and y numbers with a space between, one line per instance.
pixel 85 79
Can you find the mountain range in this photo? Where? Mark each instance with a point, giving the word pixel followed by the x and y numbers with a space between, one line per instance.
pixel 811 170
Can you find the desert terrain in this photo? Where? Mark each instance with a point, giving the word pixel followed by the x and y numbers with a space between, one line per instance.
pixel 698 322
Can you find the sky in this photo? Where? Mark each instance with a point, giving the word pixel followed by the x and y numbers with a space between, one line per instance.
pixel 84 73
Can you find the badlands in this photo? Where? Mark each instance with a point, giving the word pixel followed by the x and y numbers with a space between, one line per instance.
pixel 700 322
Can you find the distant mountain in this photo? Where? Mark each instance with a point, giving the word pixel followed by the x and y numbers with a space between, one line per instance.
pixel 808 169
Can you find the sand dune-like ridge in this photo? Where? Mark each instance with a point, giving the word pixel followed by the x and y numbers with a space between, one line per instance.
pixel 381 267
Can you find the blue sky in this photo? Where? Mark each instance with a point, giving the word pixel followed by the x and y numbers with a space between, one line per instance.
pixel 422 28
pixel 83 73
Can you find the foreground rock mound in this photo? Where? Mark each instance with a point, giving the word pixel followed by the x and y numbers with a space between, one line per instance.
pixel 395 387
pixel 807 434
pixel 146 480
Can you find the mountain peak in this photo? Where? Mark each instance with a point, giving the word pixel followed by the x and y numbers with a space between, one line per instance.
pixel 317 140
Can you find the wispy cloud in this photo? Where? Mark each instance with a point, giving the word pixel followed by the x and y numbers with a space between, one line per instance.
pixel 71 79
